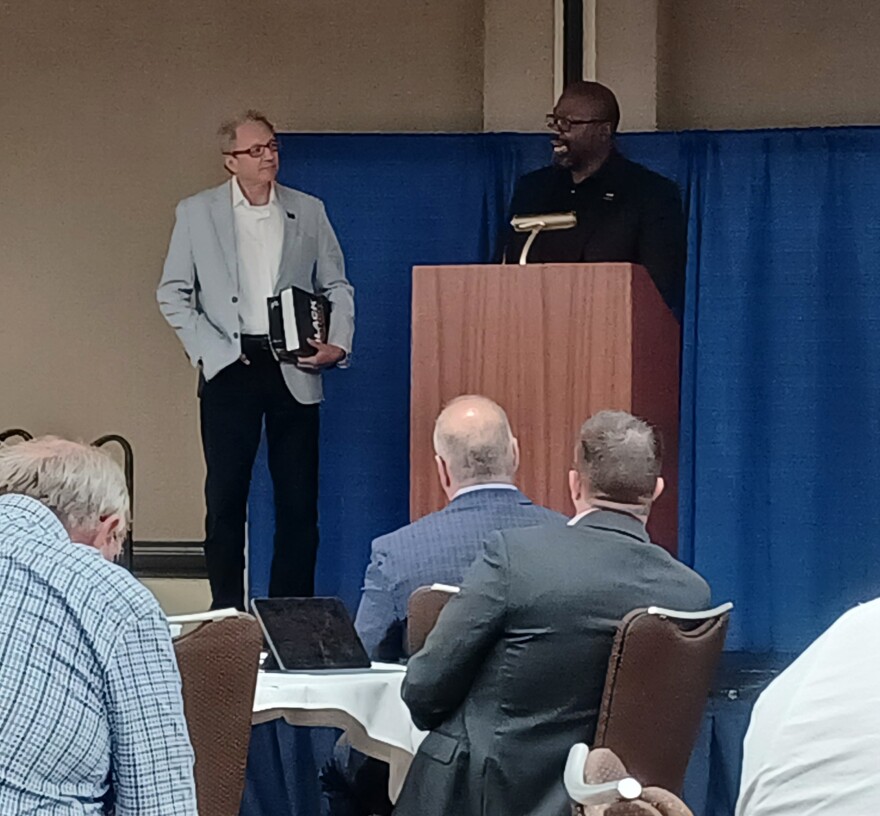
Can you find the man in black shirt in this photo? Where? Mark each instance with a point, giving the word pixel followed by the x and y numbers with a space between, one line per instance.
pixel 625 212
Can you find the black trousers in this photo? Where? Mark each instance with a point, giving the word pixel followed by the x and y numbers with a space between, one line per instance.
pixel 355 785
pixel 233 406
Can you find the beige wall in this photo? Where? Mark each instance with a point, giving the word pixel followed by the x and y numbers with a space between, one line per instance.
pixel 518 88
pixel 626 58
pixel 107 115
pixel 768 63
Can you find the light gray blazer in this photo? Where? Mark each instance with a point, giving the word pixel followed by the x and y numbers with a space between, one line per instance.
pixel 199 289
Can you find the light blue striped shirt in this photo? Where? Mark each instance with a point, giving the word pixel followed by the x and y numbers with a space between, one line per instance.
pixel 90 704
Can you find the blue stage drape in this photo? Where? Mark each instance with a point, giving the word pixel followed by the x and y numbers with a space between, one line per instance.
pixel 780 444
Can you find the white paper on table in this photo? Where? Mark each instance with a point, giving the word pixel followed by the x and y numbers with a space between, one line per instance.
pixel 203 617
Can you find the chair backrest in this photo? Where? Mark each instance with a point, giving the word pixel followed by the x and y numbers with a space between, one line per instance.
pixel 424 607
pixel 659 676
pixel 218 664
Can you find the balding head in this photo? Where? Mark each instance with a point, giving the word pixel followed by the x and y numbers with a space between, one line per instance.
pixel 474 444
pixel 82 485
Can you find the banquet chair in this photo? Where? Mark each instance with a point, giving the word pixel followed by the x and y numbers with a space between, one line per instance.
pixel 218 664
pixel 423 608
pixel 659 677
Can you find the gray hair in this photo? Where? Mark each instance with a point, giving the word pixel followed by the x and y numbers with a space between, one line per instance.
pixel 472 435
pixel 77 482
pixel 229 129
pixel 620 456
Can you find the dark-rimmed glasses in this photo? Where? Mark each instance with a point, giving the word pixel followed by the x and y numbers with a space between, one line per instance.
pixel 564 123
pixel 255 151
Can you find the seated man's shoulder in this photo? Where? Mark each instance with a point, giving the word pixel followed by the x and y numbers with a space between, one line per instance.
pixel 76 573
pixel 416 531
pixel 121 593
pixel 693 591
pixel 526 538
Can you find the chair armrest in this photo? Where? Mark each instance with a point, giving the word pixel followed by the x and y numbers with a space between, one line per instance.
pixel 605 793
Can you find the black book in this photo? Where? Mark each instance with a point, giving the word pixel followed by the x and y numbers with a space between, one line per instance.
pixel 295 317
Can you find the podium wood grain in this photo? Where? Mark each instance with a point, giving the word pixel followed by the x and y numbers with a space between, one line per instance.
pixel 552 344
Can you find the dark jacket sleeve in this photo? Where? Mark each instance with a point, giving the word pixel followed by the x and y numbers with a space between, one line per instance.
pixel 440 676
pixel 662 243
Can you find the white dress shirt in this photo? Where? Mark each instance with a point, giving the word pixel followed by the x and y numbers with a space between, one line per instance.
pixel 813 744
pixel 259 237
pixel 579 516
pixel 487 486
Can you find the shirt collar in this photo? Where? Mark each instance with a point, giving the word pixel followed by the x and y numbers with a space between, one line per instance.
pixel 239 199
pixel 579 516
pixel 487 486
pixel 606 519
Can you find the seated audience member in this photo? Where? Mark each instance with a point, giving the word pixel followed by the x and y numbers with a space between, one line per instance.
pixel 90 703
pixel 813 744
pixel 477 457
pixel 513 673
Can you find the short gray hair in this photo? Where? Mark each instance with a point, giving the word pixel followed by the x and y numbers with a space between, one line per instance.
pixel 477 445
pixel 229 128
pixel 77 482
pixel 621 457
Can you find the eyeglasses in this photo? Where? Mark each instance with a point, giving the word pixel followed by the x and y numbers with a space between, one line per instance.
pixel 255 151
pixel 564 124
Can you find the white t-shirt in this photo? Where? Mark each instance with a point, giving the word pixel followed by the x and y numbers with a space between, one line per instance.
pixel 813 744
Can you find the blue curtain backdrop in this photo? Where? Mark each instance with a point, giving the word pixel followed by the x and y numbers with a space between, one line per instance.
pixel 780 406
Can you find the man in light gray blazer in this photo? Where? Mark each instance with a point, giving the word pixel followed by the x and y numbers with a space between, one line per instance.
pixel 233 247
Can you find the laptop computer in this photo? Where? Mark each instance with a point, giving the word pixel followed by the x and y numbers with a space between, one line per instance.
pixel 306 634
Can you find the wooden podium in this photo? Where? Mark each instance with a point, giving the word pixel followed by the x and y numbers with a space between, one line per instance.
pixel 552 344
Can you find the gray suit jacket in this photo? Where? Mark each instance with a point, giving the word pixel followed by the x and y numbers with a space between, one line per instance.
pixel 512 675
pixel 437 548
pixel 200 284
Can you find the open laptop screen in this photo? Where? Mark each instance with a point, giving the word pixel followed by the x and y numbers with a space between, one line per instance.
pixel 310 633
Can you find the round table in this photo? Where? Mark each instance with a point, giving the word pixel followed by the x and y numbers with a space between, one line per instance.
pixel 364 703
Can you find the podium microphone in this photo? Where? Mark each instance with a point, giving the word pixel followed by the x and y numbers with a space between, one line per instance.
pixel 535 223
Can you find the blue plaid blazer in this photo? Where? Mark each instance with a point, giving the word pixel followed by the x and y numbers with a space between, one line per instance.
pixel 437 548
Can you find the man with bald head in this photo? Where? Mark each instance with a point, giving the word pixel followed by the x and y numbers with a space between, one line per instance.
pixel 625 212
pixel 477 457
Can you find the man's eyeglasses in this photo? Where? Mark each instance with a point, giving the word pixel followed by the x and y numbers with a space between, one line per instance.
pixel 255 151
pixel 564 124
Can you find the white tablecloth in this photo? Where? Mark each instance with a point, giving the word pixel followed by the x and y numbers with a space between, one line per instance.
pixel 365 703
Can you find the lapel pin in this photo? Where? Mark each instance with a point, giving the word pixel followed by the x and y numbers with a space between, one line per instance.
pixel 291 215
pixel 608 196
